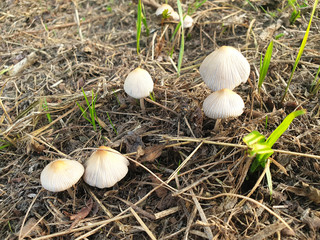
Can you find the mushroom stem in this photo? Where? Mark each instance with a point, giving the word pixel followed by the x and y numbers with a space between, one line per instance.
pixel 143 109
pixel 216 125
pixel 71 192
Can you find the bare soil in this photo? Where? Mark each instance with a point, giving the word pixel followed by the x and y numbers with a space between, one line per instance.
pixel 193 184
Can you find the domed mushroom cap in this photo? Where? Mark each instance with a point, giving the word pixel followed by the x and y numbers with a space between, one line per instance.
pixel 226 67
pixel 164 7
pixel 223 104
pixel 187 22
pixel 105 168
pixel 61 174
pixel 175 16
pixel 138 83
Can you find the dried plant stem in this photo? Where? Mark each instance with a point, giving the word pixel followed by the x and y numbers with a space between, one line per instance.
pixel 236 145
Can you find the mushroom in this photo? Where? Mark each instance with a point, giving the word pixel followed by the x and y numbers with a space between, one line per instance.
pixel 164 7
pixel 105 167
pixel 226 67
pixel 170 11
pixel 139 85
pixel 224 103
pixel 61 175
pixel 187 22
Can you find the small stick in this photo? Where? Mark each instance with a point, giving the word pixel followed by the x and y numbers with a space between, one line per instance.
pixel 23 64
pixel 143 225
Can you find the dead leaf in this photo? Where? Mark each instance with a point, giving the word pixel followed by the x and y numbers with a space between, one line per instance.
pixel 151 153
pixel 306 191
pixel 161 191
pixel 30 229
pixel 82 213
pixel 310 219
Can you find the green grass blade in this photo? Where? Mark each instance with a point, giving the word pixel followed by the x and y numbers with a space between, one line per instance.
pixel 303 44
pixel 139 17
pixel 144 20
pixel 265 65
pixel 182 37
pixel 84 113
pixel 283 127
pixel 45 107
pixel 113 127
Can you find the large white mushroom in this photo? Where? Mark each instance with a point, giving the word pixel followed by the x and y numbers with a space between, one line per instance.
pixel 223 104
pixel 61 175
pixel 105 168
pixel 139 85
pixel 226 67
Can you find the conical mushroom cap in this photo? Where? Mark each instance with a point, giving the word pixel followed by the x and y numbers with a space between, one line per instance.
pixel 61 174
pixel 223 104
pixel 105 168
pixel 164 7
pixel 138 84
pixel 226 67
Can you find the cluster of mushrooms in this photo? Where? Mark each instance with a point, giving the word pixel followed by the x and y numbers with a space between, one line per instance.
pixel 222 71
pixel 103 169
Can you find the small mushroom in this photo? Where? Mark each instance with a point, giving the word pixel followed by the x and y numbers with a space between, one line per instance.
pixel 221 104
pixel 226 67
pixel 105 168
pixel 139 85
pixel 164 7
pixel 61 175
pixel 187 22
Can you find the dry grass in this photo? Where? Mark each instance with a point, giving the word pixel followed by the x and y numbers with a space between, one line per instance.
pixel 194 189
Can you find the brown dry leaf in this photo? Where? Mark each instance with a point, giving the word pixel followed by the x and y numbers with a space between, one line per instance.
pixel 312 193
pixel 307 191
pixel 161 191
pixel 151 153
pixel 309 218
pixel 30 229
pixel 82 213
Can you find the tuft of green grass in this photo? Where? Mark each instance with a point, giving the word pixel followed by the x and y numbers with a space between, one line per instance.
pixel 90 107
pixel 193 8
pixel 303 44
pixel 261 149
pixel 264 65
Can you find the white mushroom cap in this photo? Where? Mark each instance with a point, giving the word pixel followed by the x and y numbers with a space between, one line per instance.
pixel 223 104
pixel 175 16
pixel 226 67
pixel 164 7
pixel 105 168
pixel 61 174
pixel 187 22
pixel 138 84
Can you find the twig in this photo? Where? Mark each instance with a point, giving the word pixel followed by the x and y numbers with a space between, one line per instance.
pixel 237 145
pixel 143 225
pixel 202 215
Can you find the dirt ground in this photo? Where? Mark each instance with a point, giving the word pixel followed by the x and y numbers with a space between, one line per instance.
pixel 193 184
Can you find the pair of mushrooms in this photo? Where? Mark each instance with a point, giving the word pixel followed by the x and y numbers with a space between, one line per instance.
pixel 222 71
pixel 187 21
pixel 103 169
